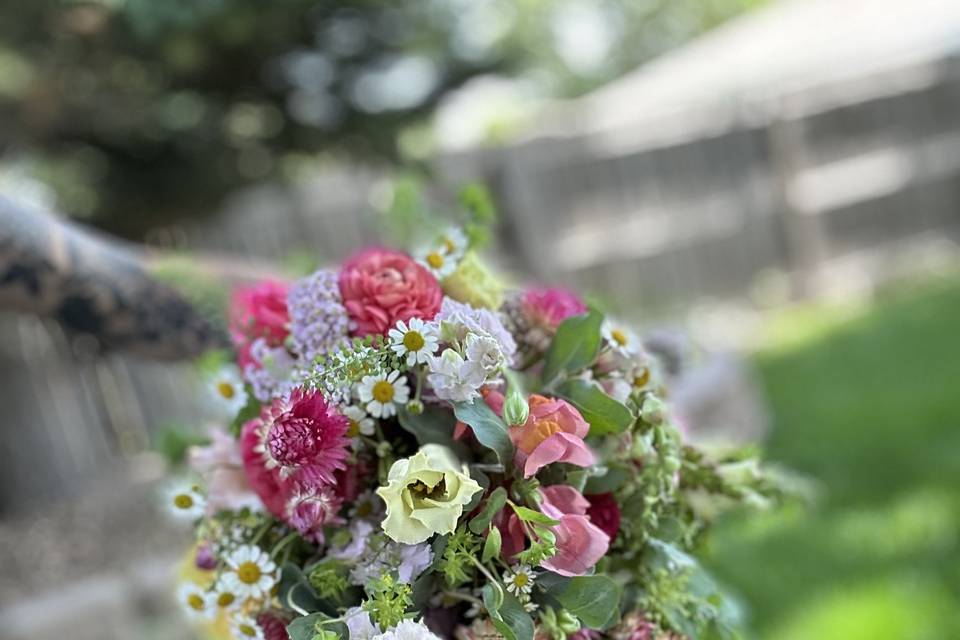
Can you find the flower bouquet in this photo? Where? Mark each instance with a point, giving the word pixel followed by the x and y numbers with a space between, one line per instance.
pixel 418 451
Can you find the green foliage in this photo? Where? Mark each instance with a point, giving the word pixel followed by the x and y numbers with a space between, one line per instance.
pixel 173 440
pixel 488 429
pixel 595 600
pixel 249 411
pixel 492 545
pixel 433 426
pixel 457 561
pixel 506 613
pixel 495 503
pixel 317 626
pixel 875 424
pixel 575 346
pixel 604 414
pixel 477 202
pixel 388 601
pixel 529 515
pixel 329 579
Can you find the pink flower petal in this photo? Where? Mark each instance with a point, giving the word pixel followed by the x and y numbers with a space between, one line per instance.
pixel 560 447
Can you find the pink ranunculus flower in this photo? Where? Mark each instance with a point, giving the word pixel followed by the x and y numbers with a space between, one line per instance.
pixel 221 464
pixel 258 311
pixel 380 287
pixel 580 543
pixel 547 307
pixel 553 432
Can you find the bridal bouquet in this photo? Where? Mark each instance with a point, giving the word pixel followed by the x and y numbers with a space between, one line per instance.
pixel 418 451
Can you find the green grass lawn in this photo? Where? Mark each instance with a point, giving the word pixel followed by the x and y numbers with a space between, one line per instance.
pixel 867 402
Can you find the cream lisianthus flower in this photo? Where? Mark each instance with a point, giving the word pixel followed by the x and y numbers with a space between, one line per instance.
pixel 425 495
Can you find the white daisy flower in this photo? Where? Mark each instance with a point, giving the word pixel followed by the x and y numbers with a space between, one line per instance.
pixel 438 262
pixel 519 580
pixel 225 598
pixel 198 603
pixel 185 502
pixel 246 628
pixel 226 388
pixel 620 338
pixel 251 573
pixel 383 392
pixel 360 422
pixel 418 341
pixel 454 242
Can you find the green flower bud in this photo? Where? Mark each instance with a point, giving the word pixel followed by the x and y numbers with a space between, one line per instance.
pixel 515 407
pixel 653 410
pixel 415 407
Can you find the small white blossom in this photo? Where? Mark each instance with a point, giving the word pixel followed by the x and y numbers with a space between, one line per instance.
pixel 620 338
pixel 246 628
pixel 450 377
pixel 360 422
pixel 227 390
pixel 417 342
pixel 407 630
pixel 519 580
pixel 186 502
pixel 484 357
pixel 198 603
pixel 383 392
pixel 251 573
pixel 358 623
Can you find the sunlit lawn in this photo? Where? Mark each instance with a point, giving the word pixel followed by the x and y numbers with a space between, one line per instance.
pixel 870 406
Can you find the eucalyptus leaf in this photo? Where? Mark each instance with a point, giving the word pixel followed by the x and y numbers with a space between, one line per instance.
pixel 604 414
pixel 574 347
pixel 488 429
pixel 612 480
pixel 595 600
pixel 507 614
pixel 495 503
pixel 305 628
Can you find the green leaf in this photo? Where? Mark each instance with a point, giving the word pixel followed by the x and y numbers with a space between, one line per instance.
pixel 305 628
pixel 495 503
pixel 434 426
pixel 488 429
pixel 249 411
pixel 604 414
pixel 514 619
pixel 491 548
pixel 529 515
pixel 595 600
pixel 612 480
pixel 295 588
pixel 574 347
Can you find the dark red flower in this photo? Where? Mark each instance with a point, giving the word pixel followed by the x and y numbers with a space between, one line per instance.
pixel 605 513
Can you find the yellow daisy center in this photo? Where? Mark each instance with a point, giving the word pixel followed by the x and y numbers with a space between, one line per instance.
pixel 195 601
pixel 521 580
pixel 249 573
pixel 383 391
pixel 225 599
pixel 619 337
pixel 642 379
pixel 353 428
pixel 413 341
pixel 247 630
pixel 434 259
pixel 182 501
pixel 226 390
pixel 448 245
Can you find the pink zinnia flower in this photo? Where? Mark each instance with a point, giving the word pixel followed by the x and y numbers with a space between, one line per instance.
pixel 553 432
pixel 258 311
pixel 549 306
pixel 605 513
pixel 305 438
pixel 580 543
pixel 380 287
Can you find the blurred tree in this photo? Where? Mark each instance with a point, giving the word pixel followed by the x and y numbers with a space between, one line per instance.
pixel 139 111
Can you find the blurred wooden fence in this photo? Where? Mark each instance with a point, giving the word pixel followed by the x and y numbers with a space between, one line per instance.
pixel 657 215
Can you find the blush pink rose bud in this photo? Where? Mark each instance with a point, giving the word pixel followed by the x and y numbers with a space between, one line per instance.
pixel 553 432
pixel 380 287
pixel 580 543
pixel 548 307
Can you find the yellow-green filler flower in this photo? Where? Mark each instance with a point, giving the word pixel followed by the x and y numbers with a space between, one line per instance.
pixel 474 283
pixel 425 494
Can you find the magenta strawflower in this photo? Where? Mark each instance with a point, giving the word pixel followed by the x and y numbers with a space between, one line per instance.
pixel 310 509
pixel 305 438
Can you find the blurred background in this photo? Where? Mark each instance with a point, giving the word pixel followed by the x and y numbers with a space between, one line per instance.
pixel 772 185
